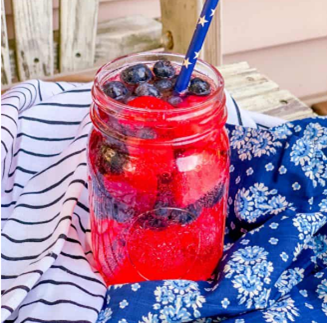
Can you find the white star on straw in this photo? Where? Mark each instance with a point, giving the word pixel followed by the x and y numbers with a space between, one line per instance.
pixel 196 55
pixel 212 12
pixel 202 21
pixel 186 62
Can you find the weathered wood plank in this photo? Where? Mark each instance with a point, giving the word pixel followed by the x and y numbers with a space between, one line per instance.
pixel 255 92
pixel 78 23
pixel 5 62
pixel 33 37
pixel 127 35
pixel 235 69
pixel 212 48
pixel 256 88
pixel 244 79
pixel 264 102
pixel 291 112
pixel 280 103
pixel 179 19
pixel 115 37
pixel 178 22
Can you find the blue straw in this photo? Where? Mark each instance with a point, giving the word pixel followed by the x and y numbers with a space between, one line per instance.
pixel 193 52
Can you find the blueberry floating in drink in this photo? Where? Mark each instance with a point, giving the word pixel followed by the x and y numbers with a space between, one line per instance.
pixel 164 70
pixel 199 86
pixel 136 74
pixel 164 85
pixel 147 89
pixel 116 90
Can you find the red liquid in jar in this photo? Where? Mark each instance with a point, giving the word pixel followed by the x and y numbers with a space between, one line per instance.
pixel 162 215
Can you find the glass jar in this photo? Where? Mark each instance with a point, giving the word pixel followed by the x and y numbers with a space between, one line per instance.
pixel 158 182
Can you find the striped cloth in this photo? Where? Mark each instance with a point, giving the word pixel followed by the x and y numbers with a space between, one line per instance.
pixel 47 272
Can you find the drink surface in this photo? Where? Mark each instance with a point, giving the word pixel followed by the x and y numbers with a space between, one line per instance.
pixel 158 204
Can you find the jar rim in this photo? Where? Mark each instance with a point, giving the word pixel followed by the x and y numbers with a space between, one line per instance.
pixel 113 104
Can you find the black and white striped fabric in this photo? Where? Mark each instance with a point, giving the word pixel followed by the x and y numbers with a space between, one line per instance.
pixel 47 272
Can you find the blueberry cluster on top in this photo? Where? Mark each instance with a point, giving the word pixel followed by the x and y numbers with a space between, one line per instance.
pixel 138 80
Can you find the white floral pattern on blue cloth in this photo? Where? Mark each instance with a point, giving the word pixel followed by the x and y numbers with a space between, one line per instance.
pixel 274 267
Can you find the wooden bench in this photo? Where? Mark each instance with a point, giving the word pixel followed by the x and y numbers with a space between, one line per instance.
pixel 255 92
pixel 81 45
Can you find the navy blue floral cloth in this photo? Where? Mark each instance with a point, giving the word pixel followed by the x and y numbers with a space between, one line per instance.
pixel 274 267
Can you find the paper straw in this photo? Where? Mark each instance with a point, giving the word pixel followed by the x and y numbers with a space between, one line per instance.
pixel 196 44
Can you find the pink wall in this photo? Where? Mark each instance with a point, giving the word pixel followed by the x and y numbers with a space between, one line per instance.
pixel 284 39
pixel 254 24
pixel 299 67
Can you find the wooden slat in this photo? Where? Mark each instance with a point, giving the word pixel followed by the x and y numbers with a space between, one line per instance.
pixel 115 37
pixel 5 63
pixel 78 22
pixel 235 69
pixel 179 19
pixel 256 88
pixel 34 38
pixel 278 103
pixel 212 49
pixel 291 112
pixel 255 92
pixel 244 79
pixel 127 35
pixel 268 101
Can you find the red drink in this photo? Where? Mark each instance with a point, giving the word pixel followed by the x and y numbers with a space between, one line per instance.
pixel 159 171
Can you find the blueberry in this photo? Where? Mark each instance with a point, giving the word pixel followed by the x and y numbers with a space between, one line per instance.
pixel 116 90
pixel 99 198
pixel 111 160
pixel 165 198
pixel 195 210
pixel 106 207
pixel 142 133
pixel 165 201
pixel 188 214
pixel 147 89
pixel 164 70
pixel 146 133
pixel 117 143
pixel 120 212
pixel 153 221
pixel 166 214
pixel 199 87
pixel 211 198
pixel 136 74
pixel 117 128
pixel 175 100
pixel 166 210
pixel 163 85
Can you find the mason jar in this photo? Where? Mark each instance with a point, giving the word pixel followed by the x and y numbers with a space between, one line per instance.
pixel 158 181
